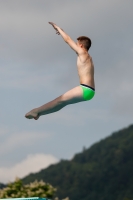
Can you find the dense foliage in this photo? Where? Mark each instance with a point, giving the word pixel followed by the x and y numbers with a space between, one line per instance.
pixel 104 171
pixel 2 185
pixel 36 189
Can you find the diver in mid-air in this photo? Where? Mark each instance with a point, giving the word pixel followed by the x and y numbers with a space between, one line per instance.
pixel 85 91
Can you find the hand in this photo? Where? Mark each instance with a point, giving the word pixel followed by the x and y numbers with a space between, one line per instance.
pixel 55 27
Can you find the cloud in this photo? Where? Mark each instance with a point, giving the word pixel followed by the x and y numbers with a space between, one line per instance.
pixel 3 130
pixel 117 87
pixel 21 140
pixel 32 164
pixel 21 79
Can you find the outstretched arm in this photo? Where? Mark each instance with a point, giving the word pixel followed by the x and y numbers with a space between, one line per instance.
pixel 66 37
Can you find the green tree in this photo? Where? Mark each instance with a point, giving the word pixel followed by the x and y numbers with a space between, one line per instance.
pixel 35 189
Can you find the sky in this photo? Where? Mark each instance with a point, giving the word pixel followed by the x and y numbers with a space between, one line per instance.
pixel 36 66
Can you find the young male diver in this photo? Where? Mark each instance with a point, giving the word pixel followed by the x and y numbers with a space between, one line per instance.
pixel 85 91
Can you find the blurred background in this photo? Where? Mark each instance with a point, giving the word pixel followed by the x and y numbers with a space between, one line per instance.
pixel 36 66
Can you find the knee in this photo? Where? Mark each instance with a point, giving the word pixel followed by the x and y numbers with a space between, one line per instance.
pixel 61 102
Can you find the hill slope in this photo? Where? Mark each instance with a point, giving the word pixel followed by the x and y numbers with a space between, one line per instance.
pixel 104 171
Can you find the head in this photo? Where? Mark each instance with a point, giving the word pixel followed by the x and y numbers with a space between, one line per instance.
pixel 84 42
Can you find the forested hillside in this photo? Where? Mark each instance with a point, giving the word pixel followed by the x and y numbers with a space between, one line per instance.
pixel 102 172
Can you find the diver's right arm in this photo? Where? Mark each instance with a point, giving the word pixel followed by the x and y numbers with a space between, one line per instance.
pixel 66 37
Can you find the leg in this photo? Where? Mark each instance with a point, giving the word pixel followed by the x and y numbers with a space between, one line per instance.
pixel 72 96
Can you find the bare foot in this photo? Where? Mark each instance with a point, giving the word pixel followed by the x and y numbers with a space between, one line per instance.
pixel 32 114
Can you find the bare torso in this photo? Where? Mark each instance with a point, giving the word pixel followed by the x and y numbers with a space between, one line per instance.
pixel 85 69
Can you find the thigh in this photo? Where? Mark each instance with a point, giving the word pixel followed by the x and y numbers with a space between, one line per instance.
pixel 74 95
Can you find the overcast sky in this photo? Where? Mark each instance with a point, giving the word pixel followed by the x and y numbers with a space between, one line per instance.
pixel 36 66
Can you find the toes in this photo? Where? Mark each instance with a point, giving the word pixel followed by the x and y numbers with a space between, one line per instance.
pixel 28 116
pixel 36 118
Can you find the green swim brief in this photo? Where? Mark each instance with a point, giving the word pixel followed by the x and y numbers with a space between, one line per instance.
pixel 88 92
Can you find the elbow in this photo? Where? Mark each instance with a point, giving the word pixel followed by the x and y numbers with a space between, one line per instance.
pixel 67 39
